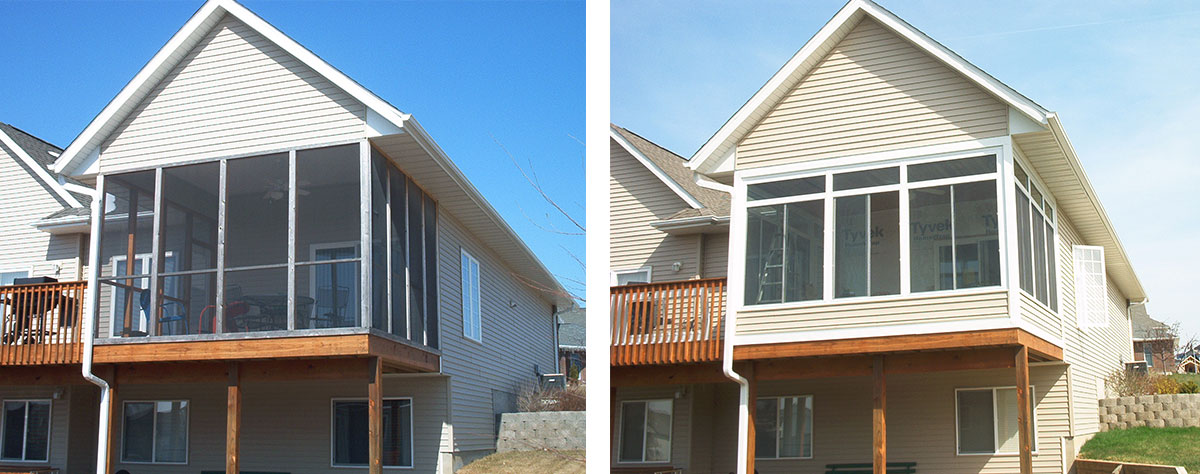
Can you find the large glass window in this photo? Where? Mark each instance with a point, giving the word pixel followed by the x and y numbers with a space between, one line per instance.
pixel 155 432
pixel 783 427
pixel 949 235
pixel 987 421
pixel 350 432
pixel 472 313
pixel 26 434
pixel 645 431
pixel 786 251
pixel 1036 251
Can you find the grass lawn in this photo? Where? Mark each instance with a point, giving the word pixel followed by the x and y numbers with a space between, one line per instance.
pixel 522 462
pixel 1187 377
pixel 1170 446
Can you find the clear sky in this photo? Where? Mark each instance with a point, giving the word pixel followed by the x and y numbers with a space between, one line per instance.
pixel 476 75
pixel 1123 77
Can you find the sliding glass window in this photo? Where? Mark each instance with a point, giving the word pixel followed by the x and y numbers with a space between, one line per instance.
pixel 939 216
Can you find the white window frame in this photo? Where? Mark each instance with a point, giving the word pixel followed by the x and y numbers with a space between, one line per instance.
pixel 187 445
pixel 779 434
pixel 1053 221
pixel 621 431
pixel 1081 319
pixel 473 316
pixel 996 421
pixel 613 274
pixel 28 271
pixel 903 160
pixel 25 438
pixel 146 260
pixel 412 420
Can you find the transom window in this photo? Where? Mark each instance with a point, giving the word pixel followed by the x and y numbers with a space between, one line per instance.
pixel 26 435
pixel 987 420
pixel 1036 256
pixel 902 229
pixel 645 435
pixel 784 427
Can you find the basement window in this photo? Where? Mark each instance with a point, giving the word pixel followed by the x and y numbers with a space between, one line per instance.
pixel 784 427
pixel 987 420
pixel 26 435
pixel 350 433
pixel 645 435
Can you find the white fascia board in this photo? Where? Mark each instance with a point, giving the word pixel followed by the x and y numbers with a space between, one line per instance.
pixel 1138 292
pixel 728 133
pixel 76 187
pixel 690 223
pixel 439 156
pixel 40 172
pixel 654 169
pixel 706 182
pixel 88 141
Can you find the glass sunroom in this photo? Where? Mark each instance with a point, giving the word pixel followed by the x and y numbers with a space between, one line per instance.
pixel 303 240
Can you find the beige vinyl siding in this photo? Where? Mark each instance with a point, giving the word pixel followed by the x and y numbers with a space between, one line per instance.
pixel 235 92
pixel 637 198
pixel 1037 314
pixel 274 438
pixel 716 255
pixel 1095 352
pixel 69 442
pixel 85 414
pixel 873 92
pixel 517 333
pixel 915 309
pixel 681 423
pixel 27 199
pixel 920 415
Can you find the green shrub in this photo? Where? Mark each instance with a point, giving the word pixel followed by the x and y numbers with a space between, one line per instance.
pixel 1189 387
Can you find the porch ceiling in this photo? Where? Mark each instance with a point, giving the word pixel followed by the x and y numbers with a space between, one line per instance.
pixel 1040 350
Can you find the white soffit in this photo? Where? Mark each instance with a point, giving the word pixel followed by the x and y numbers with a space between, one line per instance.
pixel 717 149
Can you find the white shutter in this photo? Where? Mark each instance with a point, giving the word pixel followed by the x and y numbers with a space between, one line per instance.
pixel 1091 287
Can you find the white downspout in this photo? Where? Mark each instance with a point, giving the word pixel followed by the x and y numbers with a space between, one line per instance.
pixel 88 320
pixel 743 396
pixel 734 286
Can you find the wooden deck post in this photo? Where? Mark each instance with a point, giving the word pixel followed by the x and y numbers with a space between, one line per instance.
pixel 375 415
pixel 1023 410
pixel 233 420
pixel 751 435
pixel 114 422
pixel 879 417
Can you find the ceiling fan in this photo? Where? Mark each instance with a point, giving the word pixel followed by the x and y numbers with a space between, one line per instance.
pixel 277 189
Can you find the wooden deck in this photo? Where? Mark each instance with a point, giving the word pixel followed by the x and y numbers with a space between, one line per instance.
pixel 667 323
pixel 40 323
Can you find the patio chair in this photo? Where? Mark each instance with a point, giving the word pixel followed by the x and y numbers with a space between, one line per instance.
pixel 335 300
pixel 177 314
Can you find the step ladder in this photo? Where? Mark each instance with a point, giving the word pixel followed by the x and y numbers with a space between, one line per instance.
pixel 771 275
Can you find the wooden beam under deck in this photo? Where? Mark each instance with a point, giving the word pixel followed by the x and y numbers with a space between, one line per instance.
pixel 1039 348
pixel 375 416
pixel 398 356
pixel 879 417
pixel 1024 427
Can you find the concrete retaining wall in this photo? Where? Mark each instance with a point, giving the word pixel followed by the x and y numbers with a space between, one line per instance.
pixel 563 430
pixel 1178 410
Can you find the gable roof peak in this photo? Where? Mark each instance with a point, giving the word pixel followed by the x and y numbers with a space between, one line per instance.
pixel 707 158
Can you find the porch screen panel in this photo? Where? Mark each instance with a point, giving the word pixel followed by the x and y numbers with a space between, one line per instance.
pixel 931 258
pixel 127 234
pixel 399 255
pixel 804 254
pixel 764 254
pixel 1024 242
pixel 976 235
pixel 867 245
pixel 327 191
pixel 256 212
pixel 1039 257
pixel 189 240
pixel 379 241
pixel 416 263
pixel 431 276
pixel 850 246
pixel 884 235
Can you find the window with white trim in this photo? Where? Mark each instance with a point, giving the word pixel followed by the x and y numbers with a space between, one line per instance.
pixel 938 215
pixel 630 276
pixel 472 315
pixel 26 435
pixel 784 427
pixel 1091 287
pixel 1036 252
pixel 350 433
pixel 987 420
pixel 645 435
pixel 155 432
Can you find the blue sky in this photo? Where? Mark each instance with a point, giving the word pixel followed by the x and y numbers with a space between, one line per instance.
pixel 474 74
pixel 1121 75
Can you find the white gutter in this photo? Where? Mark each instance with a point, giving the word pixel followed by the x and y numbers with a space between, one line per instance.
pixel 689 222
pixel 89 339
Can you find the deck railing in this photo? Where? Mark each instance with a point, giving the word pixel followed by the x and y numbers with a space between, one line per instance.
pixel 40 323
pixel 666 323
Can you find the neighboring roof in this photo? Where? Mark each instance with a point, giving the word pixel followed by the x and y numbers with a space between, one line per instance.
pixel 83 151
pixel 37 156
pixel 572 329
pixel 673 170
pixel 1145 327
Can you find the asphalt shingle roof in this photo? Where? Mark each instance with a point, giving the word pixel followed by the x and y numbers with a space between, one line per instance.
pixel 675 167
pixel 43 153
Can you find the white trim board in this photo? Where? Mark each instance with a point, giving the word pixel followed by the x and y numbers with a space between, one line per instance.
pixel 654 169
pixel 718 148
pixel 38 170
